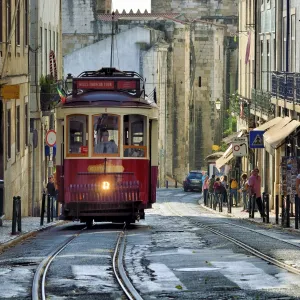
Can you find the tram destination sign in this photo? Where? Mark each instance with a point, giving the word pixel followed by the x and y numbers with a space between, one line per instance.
pixel 105 84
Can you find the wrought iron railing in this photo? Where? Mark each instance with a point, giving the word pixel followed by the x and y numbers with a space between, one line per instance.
pixel 286 86
pixel 261 101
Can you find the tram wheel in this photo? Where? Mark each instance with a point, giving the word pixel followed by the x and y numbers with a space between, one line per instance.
pixel 89 223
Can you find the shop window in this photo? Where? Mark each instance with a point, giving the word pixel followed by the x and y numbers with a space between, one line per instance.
pixel 8 128
pixel 78 135
pixel 18 129
pixel 106 134
pixel 135 141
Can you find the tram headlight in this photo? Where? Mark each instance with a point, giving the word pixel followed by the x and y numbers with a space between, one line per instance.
pixel 105 185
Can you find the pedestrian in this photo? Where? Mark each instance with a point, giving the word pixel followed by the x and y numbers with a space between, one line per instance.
pixel 205 188
pixel 244 191
pixel 233 190
pixel 211 188
pixel 218 190
pixel 224 190
pixel 254 183
pixel 51 190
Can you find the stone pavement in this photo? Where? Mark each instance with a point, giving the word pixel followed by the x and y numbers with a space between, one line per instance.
pixel 30 225
pixel 236 212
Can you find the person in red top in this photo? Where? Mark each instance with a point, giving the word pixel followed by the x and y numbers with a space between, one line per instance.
pixel 254 183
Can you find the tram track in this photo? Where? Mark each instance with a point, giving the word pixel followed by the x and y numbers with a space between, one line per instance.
pixel 215 225
pixel 39 280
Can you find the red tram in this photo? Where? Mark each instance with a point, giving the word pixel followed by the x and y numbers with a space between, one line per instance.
pixel 107 157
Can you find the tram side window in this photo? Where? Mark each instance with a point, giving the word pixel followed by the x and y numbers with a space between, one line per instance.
pixel 77 131
pixel 135 136
pixel 106 134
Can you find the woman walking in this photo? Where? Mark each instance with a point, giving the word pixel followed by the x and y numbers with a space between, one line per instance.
pixel 205 189
pixel 244 191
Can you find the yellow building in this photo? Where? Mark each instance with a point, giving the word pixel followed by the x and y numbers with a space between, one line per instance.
pixel 14 81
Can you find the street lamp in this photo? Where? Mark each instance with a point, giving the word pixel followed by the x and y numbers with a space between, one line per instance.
pixel 69 82
pixel 218 104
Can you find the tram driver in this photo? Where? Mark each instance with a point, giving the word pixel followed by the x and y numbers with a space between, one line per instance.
pixel 106 145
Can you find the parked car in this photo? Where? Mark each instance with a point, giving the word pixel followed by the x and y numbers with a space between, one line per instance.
pixel 193 181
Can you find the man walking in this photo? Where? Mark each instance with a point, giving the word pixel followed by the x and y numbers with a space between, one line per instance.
pixel 254 183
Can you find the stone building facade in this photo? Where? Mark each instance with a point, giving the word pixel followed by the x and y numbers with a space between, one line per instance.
pixel 14 112
pixel 45 37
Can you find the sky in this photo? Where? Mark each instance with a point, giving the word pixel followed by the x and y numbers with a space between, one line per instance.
pixel 131 4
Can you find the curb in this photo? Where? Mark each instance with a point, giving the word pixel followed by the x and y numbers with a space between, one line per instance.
pixel 23 236
pixel 269 225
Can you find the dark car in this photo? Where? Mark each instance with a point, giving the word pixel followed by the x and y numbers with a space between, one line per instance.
pixel 193 181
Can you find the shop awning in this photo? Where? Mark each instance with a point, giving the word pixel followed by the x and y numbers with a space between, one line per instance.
pixel 268 124
pixel 228 155
pixel 274 129
pixel 278 137
pixel 225 158
pixel 228 139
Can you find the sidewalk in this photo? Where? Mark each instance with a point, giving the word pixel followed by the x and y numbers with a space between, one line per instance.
pixel 237 213
pixel 30 225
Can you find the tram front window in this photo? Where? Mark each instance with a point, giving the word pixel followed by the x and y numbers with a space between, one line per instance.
pixel 77 134
pixel 135 136
pixel 106 134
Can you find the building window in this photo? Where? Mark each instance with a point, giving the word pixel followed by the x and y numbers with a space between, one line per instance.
pixel 18 128
pixel 293 43
pixel 45 51
pixel 26 23
pixel 8 18
pixel 18 25
pixel 8 133
pixel 26 124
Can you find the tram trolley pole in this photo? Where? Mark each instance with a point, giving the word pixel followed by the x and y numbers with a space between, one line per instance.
pixel 43 209
pixel 277 209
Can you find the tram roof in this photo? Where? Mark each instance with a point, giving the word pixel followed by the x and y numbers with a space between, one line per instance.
pixel 106 99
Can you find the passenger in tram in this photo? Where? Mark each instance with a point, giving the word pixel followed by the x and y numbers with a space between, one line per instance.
pixel 106 146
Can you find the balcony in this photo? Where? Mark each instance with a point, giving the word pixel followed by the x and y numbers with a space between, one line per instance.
pixel 286 86
pixel 261 103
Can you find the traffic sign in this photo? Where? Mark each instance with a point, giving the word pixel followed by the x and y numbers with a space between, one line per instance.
pixel 240 146
pixel 256 139
pixel 51 138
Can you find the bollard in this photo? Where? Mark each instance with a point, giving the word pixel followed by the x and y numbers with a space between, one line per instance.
pixel 296 212
pixel 14 218
pixel 52 208
pixel 16 215
pixel 276 209
pixel 253 198
pixel 48 209
pixel 19 214
pixel 176 184
pixel 229 205
pixel 282 210
pixel 43 209
pixel 267 209
pixel 250 206
pixel 167 184
pixel 264 206
pixel 287 209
